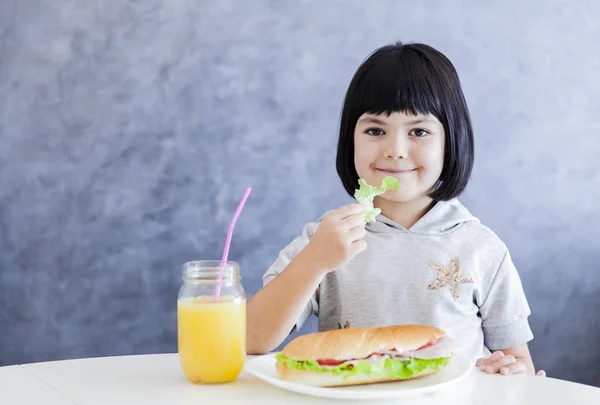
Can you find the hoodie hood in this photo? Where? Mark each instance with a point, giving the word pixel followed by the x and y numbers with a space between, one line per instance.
pixel 444 217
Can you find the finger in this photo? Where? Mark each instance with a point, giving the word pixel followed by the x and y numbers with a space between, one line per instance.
pixel 356 233
pixel 514 368
pixel 348 210
pixel 352 221
pixel 541 373
pixel 495 367
pixel 504 361
pixel 358 246
pixel 496 356
pixel 482 361
pixel 492 359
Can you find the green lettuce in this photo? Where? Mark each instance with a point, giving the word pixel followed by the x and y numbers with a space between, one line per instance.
pixel 397 369
pixel 366 193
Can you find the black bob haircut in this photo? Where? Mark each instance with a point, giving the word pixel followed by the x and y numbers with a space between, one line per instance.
pixel 415 79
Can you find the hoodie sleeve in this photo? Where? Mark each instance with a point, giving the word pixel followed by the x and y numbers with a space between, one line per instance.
pixel 285 257
pixel 505 309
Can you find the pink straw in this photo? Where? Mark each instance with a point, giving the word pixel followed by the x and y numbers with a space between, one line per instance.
pixel 228 240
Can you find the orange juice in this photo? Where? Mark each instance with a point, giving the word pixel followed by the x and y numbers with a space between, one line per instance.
pixel 212 338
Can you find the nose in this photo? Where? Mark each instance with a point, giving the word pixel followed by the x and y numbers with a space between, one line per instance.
pixel 397 147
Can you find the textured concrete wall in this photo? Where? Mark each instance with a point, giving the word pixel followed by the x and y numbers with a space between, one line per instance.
pixel 129 130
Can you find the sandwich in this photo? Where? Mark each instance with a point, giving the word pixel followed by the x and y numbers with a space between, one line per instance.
pixel 356 356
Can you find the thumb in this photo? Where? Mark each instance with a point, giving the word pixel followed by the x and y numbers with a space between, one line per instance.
pixel 541 373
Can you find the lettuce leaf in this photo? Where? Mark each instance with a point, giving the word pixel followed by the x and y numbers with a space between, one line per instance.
pixel 366 193
pixel 312 365
pixel 397 369
pixel 407 368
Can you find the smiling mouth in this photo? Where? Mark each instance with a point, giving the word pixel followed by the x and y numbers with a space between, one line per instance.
pixel 396 171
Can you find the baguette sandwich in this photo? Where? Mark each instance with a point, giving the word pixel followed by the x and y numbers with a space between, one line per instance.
pixel 357 356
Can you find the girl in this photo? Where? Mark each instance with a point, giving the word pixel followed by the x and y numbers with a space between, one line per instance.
pixel 425 259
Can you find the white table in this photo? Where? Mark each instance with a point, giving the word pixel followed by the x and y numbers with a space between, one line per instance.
pixel 157 379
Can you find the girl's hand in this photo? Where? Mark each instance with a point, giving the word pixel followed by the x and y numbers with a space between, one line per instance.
pixel 505 365
pixel 339 237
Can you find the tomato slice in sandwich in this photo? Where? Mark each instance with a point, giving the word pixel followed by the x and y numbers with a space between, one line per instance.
pixel 330 362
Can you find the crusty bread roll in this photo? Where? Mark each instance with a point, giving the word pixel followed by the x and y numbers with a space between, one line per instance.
pixel 354 343
pixel 358 343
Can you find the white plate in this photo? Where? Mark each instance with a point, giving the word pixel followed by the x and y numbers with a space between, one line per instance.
pixel 457 368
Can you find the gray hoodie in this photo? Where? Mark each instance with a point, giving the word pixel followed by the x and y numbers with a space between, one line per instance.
pixel 448 270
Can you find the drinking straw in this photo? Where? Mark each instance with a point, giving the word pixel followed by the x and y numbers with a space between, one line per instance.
pixel 228 241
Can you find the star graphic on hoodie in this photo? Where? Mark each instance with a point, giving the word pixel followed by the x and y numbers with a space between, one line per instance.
pixel 449 276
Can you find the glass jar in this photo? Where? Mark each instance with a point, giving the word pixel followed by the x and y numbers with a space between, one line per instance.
pixel 211 322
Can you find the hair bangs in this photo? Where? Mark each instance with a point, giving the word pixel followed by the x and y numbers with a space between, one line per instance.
pixel 398 85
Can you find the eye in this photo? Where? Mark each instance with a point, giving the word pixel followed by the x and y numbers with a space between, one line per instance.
pixel 374 131
pixel 419 132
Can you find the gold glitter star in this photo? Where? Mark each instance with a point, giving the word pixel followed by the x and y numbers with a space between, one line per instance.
pixel 449 276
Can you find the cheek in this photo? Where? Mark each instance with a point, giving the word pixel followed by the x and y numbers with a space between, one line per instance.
pixel 437 161
pixel 432 159
pixel 362 158
pixel 361 163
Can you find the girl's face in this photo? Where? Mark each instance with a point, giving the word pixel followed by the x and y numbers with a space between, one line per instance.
pixel 408 147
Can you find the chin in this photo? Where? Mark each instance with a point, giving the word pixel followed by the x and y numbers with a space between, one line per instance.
pixel 399 196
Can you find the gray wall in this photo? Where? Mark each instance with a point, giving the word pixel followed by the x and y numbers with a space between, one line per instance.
pixel 130 129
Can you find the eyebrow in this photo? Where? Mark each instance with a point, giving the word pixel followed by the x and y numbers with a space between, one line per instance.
pixel 372 120
pixel 377 121
pixel 420 120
